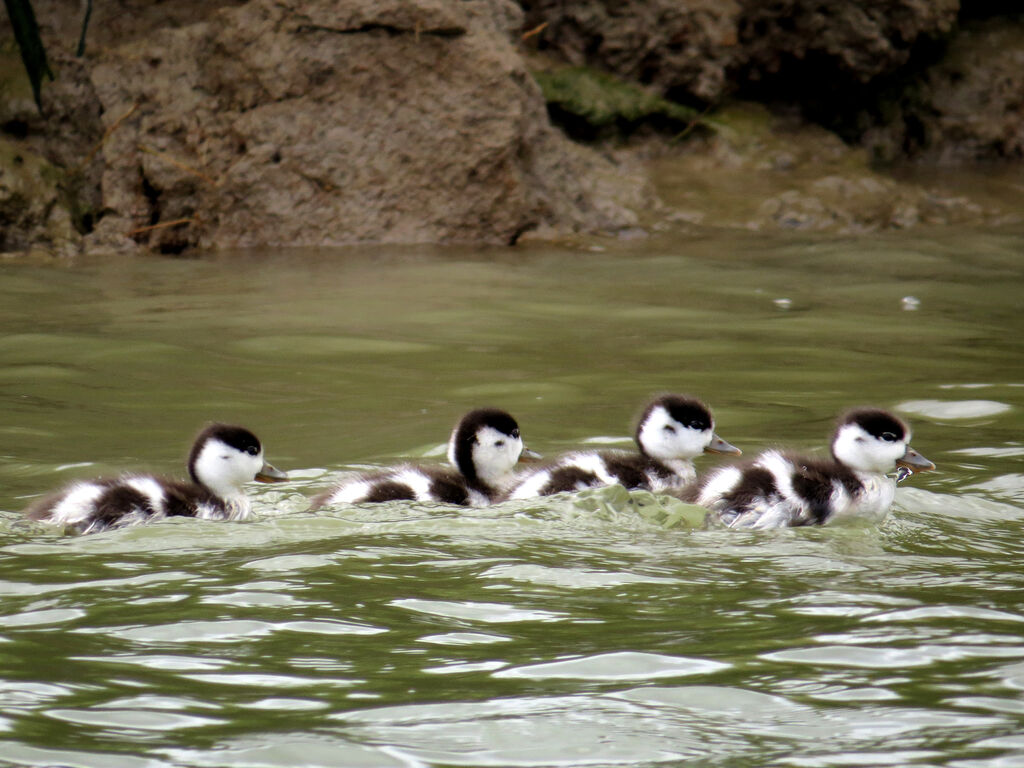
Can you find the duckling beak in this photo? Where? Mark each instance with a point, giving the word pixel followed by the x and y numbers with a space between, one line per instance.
pixel 718 445
pixel 914 461
pixel 529 457
pixel 270 474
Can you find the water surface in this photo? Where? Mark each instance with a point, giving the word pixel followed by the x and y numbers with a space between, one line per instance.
pixel 601 629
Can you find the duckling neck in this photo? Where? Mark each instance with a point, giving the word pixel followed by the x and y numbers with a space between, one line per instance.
pixel 476 485
pixel 678 466
pixel 238 507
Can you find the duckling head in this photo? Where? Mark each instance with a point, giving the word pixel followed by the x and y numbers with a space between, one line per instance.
pixel 485 446
pixel 679 427
pixel 225 457
pixel 873 440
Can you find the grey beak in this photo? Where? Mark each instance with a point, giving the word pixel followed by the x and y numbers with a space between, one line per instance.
pixel 528 456
pixel 915 461
pixel 270 474
pixel 718 445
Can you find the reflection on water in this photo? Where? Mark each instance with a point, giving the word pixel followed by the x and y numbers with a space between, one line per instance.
pixel 600 629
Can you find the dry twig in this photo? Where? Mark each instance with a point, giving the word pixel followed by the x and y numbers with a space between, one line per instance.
pixel 161 225
pixel 535 31
pixel 106 135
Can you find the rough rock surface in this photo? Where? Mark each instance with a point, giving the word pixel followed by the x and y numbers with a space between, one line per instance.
pixel 682 49
pixel 968 107
pixel 303 122
pixel 808 44
pixel 702 50
pixel 314 122
pixel 221 123
pixel 31 211
pixel 59 140
pixel 900 76
pixel 762 172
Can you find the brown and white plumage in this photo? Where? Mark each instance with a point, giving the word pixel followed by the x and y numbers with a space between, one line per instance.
pixel 672 430
pixel 223 458
pixel 483 450
pixel 779 490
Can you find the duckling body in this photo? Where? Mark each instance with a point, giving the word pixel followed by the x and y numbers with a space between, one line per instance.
pixel 483 450
pixel 672 430
pixel 780 490
pixel 222 459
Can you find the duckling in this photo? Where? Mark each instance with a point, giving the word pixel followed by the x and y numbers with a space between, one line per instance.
pixel 222 459
pixel 483 449
pixel 779 490
pixel 672 430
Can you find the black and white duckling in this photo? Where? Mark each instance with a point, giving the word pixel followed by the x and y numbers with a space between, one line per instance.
pixel 779 490
pixel 672 430
pixel 223 458
pixel 483 450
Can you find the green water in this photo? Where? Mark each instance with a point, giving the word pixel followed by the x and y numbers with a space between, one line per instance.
pixel 573 631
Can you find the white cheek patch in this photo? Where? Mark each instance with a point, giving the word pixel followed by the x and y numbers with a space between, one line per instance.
pixel 78 503
pixel 680 442
pixel 861 451
pixel 224 469
pixel 495 455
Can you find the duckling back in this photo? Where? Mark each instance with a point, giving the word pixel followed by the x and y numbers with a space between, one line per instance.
pixel 671 431
pixel 778 489
pixel 405 483
pixel 483 448
pixel 222 458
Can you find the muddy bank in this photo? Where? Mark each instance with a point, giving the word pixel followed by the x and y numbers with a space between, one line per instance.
pixel 197 125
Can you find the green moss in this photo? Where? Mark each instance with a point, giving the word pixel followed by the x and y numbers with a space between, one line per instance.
pixel 588 101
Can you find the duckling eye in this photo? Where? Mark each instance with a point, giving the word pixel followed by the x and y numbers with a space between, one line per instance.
pixel 696 425
pixel 889 437
pixel 515 433
pixel 669 428
pixel 252 450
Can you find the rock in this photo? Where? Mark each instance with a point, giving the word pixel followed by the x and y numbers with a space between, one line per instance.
pixel 47 165
pixel 966 108
pixel 762 172
pixel 314 122
pixel 699 51
pixel 801 45
pixel 682 49
pixel 31 210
